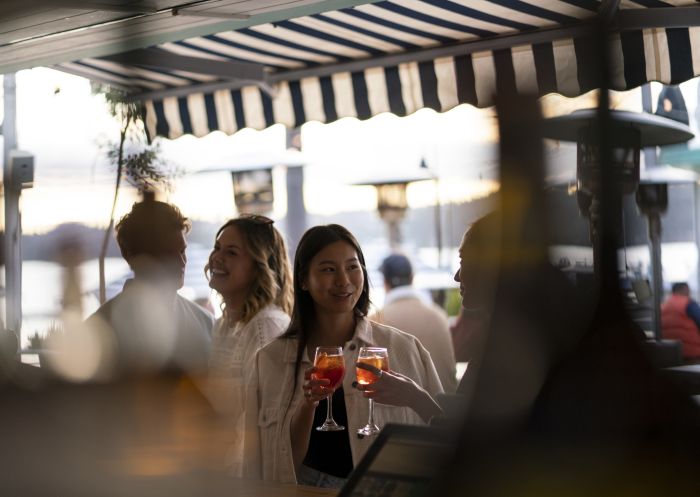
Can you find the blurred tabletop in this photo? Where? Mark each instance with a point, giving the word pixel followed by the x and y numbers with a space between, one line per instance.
pixel 686 376
pixel 255 488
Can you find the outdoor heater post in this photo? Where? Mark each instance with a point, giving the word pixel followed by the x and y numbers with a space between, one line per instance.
pixel 652 200
pixel 654 221
pixel 13 233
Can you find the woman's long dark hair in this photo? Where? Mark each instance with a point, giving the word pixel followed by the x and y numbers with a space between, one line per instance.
pixel 303 313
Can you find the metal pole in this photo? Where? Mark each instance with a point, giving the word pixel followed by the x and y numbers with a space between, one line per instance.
pixel 438 221
pixel 394 231
pixel 696 197
pixel 13 233
pixel 649 152
pixel 654 221
pixel 696 229
pixel 437 210
pixel 296 210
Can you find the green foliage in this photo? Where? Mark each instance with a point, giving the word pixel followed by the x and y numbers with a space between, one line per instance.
pixel 453 302
pixel 144 168
pixel 117 104
pixel 134 156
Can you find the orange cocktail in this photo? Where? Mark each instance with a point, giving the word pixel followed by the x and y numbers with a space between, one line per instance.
pixel 365 377
pixel 329 367
pixel 379 358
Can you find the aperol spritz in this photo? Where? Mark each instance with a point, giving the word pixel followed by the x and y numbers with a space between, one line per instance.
pixel 379 358
pixel 330 365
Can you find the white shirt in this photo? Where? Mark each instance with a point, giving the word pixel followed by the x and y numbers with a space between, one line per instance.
pixel 269 408
pixel 231 361
pixel 154 328
pixel 412 311
pixel 233 349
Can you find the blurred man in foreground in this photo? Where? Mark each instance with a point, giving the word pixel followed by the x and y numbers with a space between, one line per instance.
pixel 154 328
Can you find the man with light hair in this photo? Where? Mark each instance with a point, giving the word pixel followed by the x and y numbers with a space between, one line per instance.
pixel 154 328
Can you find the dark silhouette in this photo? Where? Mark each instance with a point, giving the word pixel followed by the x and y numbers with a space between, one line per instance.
pixel 562 403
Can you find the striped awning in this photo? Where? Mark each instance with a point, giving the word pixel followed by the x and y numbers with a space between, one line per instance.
pixel 395 56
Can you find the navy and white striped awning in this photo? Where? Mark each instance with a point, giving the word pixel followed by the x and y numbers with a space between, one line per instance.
pixel 397 56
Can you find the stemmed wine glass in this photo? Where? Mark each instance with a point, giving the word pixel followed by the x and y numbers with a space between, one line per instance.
pixel 330 365
pixel 377 357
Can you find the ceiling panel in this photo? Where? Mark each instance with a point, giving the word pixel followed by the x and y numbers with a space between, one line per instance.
pixel 49 32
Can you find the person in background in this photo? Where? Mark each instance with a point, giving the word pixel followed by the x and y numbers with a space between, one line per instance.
pixel 331 301
pixel 560 377
pixel 671 104
pixel 410 310
pixel 250 269
pixel 680 320
pixel 148 326
pixel 529 335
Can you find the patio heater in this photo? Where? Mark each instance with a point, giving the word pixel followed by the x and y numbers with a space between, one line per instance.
pixel 392 205
pixel 631 131
pixel 252 190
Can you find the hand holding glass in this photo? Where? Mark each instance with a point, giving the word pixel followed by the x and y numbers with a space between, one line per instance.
pixel 330 365
pixel 377 357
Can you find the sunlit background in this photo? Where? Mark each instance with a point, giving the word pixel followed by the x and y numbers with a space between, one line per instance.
pixel 65 126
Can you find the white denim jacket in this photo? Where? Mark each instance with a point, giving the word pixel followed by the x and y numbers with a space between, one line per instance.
pixel 269 408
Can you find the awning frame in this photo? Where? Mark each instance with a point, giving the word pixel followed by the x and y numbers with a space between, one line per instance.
pixel 620 20
pixel 149 29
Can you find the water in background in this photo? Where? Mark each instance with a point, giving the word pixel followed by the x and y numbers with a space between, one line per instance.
pixel 42 288
pixel 42 291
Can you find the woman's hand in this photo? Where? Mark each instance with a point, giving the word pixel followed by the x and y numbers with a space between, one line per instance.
pixel 314 390
pixel 390 387
pixel 302 419
pixel 396 389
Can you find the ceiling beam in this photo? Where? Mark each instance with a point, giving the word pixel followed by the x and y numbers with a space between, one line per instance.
pixel 103 7
pixel 607 10
pixel 187 9
pixel 208 14
pixel 463 48
pixel 97 79
pixel 626 19
pixel 146 31
pixel 676 17
pixel 162 59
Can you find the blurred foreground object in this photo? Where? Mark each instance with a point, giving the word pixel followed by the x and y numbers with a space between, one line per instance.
pixel 141 436
pixel 576 409
pixel 148 327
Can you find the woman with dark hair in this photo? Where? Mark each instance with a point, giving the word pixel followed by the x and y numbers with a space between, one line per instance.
pixel 250 269
pixel 331 301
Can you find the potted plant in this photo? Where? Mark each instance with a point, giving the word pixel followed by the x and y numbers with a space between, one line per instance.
pixel 40 343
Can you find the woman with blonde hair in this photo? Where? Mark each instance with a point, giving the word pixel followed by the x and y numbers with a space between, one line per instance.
pixel 249 268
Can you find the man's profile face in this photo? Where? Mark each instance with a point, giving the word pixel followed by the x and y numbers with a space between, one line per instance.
pixel 165 260
pixel 477 273
pixel 466 274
